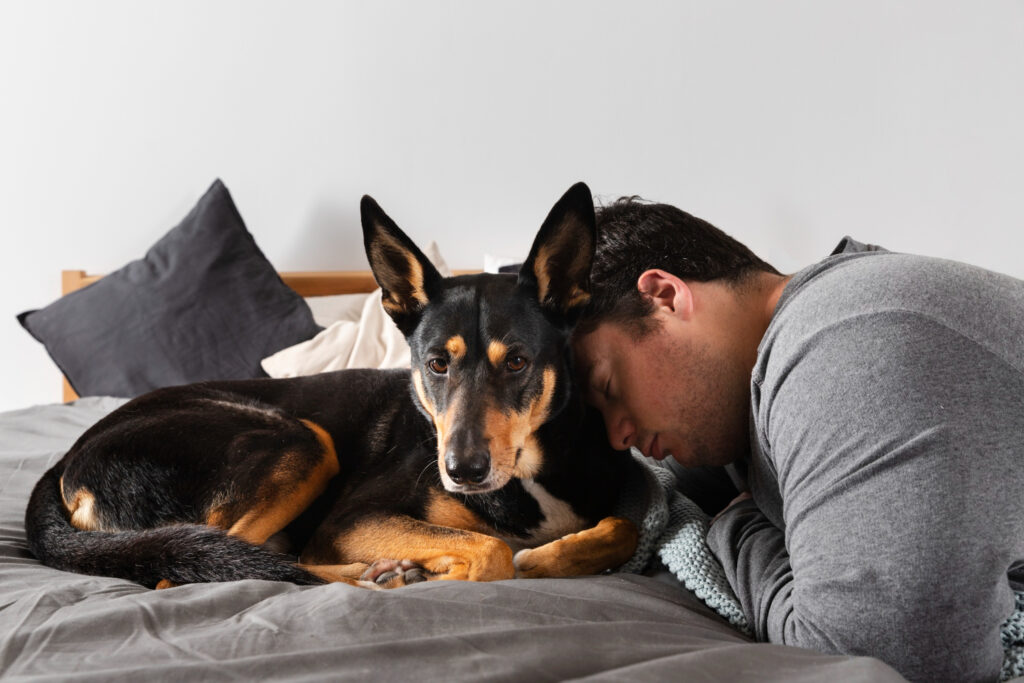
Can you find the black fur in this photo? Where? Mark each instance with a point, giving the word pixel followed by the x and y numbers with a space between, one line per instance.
pixel 162 464
pixel 180 553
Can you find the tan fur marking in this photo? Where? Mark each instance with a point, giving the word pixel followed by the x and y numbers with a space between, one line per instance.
pixel 591 551
pixel 544 264
pixel 496 353
pixel 509 433
pixel 339 573
pixel 81 507
pixel 448 512
pixel 442 422
pixel 413 276
pixel 284 494
pixel 578 298
pixel 330 462
pixel 417 382
pixel 391 303
pixel 456 346
pixel 445 553
pixel 540 271
pixel 416 280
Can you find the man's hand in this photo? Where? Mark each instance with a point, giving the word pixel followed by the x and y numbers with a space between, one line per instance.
pixel 738 499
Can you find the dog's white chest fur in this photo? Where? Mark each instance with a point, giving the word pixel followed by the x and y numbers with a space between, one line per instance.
pixel 559 518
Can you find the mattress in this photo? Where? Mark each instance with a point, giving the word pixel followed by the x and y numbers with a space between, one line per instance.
pixel 56 625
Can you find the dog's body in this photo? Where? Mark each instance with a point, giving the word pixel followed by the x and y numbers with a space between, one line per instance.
pixel 186 483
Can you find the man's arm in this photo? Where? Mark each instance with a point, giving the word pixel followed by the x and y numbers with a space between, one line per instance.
pixel 753 554
pixel 894 465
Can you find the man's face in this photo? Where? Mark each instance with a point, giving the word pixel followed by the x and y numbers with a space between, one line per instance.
pixel 673 392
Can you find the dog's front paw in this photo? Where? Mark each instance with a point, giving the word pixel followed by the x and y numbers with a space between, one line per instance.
pixel 591 551
pixel 528 564
pixel 387 573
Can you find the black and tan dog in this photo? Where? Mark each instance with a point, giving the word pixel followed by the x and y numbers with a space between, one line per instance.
pixel 378 478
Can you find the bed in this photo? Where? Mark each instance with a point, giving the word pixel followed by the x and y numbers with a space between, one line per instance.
pixel 58 626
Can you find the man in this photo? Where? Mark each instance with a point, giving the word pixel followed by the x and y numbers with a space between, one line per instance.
pixel 873 406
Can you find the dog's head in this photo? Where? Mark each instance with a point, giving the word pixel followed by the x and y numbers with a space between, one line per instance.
pixel 490 355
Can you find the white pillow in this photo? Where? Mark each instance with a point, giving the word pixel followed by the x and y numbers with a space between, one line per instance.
pixel 331 309
pixel 371 341
pixel 493 263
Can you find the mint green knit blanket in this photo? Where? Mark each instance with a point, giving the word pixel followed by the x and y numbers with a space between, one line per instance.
pixel 673 529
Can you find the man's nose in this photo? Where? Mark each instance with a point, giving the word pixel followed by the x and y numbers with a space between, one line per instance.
pixel 621 431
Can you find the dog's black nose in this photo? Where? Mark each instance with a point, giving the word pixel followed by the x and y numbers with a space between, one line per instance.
pixel 472 469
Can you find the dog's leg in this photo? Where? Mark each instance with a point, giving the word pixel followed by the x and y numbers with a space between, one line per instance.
pixel 381 574
pixel 591 551
pixel 289 487
pixel 442 552
pixel 352 574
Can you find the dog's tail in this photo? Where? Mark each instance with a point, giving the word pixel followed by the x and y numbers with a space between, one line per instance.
pixel 178 554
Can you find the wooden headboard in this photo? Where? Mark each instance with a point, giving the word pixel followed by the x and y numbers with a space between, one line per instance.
pixel 312 283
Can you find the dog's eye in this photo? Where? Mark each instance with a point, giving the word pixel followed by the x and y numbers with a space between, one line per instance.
pixel 438 366
pixel 515 363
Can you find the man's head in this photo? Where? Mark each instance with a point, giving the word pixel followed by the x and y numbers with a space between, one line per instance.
pixel 666 345
pixel 634 236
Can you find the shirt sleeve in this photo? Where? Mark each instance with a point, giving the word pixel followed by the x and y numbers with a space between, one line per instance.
pixel 895 471
pixel 753 554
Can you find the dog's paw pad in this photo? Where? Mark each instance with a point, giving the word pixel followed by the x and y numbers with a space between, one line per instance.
pixel 388 573
pixel 415 575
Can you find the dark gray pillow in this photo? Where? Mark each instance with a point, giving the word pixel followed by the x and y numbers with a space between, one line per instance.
pixel 204 303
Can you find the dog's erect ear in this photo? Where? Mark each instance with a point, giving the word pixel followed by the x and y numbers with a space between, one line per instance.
pixel 558 267
pixel 406 277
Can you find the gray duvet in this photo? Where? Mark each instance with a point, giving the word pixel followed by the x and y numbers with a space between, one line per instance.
pixel 57 626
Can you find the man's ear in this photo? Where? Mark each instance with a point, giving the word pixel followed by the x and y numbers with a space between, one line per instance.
pixel 406 277
pixel 666 291
pixel 558 267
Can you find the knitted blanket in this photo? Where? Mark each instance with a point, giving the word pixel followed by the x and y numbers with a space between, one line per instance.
pixel 673 528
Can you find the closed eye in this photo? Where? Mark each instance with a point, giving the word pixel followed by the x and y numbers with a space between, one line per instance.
pixel 599 393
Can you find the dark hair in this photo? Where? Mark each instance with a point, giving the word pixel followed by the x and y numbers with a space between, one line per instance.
pixel 634 236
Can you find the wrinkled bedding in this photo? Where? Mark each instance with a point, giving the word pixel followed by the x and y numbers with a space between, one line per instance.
pixel 56 625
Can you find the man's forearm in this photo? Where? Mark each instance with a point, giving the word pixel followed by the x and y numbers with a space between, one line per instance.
pixel 753 554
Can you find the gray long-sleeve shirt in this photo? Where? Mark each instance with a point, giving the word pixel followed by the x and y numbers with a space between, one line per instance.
pixel 887 464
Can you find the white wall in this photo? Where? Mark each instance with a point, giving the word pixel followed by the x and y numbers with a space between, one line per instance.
pixel 788 124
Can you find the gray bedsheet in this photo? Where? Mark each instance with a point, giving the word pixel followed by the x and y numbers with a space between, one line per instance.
pixel 55 625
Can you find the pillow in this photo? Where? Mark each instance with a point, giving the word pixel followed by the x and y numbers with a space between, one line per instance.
pixel 370 341
pixel 204 303
pixel 373 341
pixel 334 307
pixel 501 264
